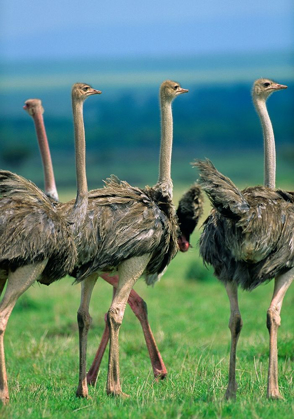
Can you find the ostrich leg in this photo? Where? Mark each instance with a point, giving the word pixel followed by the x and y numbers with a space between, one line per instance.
pixel 139 307
pixel 235 325
pixel 282 283
pixel 129 272
pixel 84 322
pixel 18 282
pixel 94 369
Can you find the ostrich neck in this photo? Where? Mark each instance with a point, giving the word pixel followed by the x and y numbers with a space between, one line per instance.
pixel 164 179
pixel 80 207
pixel 50 186
pixel 269 144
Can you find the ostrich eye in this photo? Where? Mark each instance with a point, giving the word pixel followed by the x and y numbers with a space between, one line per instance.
pixel 85 89
pixel 266 84
pixel 176 87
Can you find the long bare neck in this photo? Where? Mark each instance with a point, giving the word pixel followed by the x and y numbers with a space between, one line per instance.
pixel 166 145
pixel 80 151
pixel 49 180
pixel 269 144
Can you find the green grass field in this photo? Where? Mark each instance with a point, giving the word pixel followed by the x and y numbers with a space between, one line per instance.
pixel 188 312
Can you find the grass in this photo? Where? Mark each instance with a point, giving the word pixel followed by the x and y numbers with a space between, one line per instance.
pixel 188 312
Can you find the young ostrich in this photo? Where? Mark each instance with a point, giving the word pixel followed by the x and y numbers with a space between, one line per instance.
pixel 37 241
pixel 190 205
pixel 248 239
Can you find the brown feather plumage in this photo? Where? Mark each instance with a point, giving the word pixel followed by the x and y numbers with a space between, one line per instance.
pixel 248 238
pixel 123 222
pixel 120 219
pixel 189 210
pixel 32 230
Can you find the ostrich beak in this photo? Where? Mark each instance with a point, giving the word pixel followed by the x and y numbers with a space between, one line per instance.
pixel 183 243
pixel 280 86
pixel 181 90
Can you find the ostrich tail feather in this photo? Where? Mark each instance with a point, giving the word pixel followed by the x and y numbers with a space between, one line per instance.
pixel 226 198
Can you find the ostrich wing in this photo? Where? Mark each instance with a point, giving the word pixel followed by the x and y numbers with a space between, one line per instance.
pixel 126 222
pixel 222 192
pixel 13 185
pixel 31 230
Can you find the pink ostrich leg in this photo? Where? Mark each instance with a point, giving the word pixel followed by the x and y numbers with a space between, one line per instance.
pixel 139 307
pixel 189 210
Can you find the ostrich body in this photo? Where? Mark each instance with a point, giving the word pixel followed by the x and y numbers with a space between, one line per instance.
pixel 132 231
pixel 248 239
pixel 38 241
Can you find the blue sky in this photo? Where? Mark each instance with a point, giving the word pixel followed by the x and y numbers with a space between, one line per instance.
pixel 66 29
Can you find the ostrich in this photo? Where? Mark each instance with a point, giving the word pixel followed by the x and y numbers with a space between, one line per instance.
pixel 134 232
pixel 37 241
pixel 189 210
pixel 248 239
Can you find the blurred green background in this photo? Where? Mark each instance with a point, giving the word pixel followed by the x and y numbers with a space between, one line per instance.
pixel 215 120
pixel 215 49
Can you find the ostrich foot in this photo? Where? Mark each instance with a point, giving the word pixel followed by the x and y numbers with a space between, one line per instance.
pixel 113 388
pixel 159 370
pixel 160 374
pixel 116 392
pixel 231 392
pixel 275 395
pixel 82 392
pixel 4 400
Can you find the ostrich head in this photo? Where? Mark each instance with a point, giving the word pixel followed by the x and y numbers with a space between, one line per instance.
pixel 33 106
pixel 263 88
pixel 189 211
pixel 80 91
pixel 169 90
